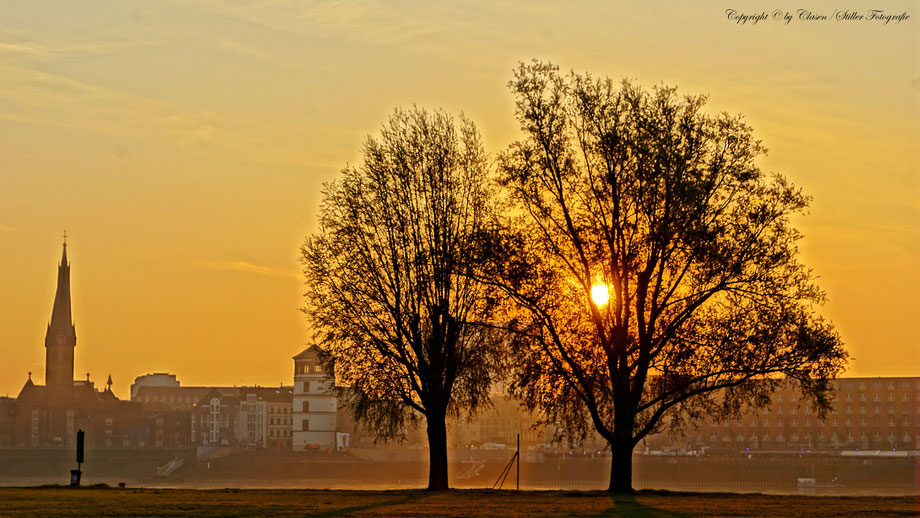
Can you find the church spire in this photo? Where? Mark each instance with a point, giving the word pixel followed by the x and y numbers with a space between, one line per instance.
pixel 61 321
pixel 60 339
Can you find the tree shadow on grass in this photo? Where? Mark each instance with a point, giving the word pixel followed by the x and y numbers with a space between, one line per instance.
pixel 411 497
pixel 626 505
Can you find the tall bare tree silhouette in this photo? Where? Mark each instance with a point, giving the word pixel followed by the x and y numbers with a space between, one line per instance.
pixel 642 195
pixel 389 293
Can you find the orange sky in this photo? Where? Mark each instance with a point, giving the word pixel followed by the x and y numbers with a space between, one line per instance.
pixel 182 145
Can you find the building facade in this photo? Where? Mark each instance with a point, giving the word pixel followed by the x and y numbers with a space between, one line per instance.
pixel 244 417
pixel 315 407
pixel 157 379
pixel 868 414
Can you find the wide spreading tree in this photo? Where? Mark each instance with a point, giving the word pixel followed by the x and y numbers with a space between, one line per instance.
pixel 403 324
pixel 700 304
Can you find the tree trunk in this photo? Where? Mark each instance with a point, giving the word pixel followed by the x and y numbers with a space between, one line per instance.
pixel 621 466
pixel 437 449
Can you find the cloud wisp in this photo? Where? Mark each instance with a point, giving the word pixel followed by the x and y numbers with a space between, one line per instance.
pixel 247 267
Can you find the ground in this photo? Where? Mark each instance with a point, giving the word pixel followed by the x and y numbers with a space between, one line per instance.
pixel 103 501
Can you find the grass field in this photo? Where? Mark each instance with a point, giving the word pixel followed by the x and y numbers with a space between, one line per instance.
pixel 60 501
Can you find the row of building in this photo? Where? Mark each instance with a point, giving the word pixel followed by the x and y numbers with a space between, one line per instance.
pixel 869 413
pixel 302 416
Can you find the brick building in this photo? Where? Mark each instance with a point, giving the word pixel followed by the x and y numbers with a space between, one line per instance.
pixel 868 414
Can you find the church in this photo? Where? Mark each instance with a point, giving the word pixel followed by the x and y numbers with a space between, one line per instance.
pixel 49 415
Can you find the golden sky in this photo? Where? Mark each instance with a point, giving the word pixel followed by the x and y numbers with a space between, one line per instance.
pixel 182 145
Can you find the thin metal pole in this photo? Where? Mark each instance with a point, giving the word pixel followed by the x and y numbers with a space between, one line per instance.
pixel 517 476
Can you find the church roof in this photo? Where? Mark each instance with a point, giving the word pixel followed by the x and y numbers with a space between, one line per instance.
pixel 31 391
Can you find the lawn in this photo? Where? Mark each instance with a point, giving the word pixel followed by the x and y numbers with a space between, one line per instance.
pixel 101 501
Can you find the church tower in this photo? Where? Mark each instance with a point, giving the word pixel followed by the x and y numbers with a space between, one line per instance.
pixel 60 341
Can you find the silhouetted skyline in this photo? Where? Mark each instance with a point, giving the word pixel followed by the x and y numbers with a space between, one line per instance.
pixel 182 146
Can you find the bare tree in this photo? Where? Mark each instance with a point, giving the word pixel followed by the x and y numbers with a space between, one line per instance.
pixel 389 293
pixel 643 197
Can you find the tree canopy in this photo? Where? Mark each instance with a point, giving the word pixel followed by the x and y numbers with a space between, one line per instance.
pixel 645 193
pixel 389 294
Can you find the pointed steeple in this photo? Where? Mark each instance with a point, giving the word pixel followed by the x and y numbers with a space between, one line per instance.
pixel 60 339
pixel 61 320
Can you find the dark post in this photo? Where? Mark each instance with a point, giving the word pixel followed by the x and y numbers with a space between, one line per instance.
pixel 79 448
pixel 75 473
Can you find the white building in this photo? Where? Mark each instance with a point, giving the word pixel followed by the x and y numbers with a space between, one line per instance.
pixel 315 406
pixel 252 422
pixel 157 379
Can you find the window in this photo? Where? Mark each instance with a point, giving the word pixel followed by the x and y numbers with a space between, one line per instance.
pixel 214 421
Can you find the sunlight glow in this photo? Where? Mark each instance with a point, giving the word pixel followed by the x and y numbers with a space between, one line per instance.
pixel 600 294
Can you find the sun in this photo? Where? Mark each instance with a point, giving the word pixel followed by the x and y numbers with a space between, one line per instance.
pixel 600 294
